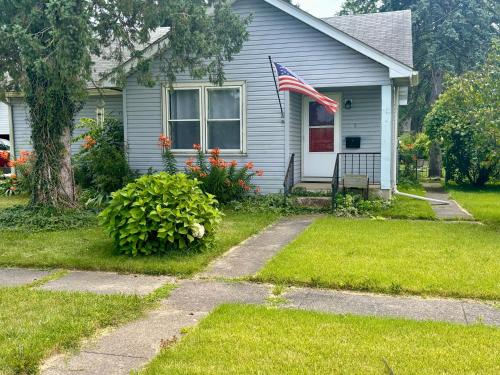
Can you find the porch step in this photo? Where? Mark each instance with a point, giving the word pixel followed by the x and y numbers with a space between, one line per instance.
pixel 315 202
pixel 314 187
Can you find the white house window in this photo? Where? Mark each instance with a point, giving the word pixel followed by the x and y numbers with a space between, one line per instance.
pixel 208 115
pixel 184 118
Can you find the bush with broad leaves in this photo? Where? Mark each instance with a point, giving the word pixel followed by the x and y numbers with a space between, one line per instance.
pixel 159 213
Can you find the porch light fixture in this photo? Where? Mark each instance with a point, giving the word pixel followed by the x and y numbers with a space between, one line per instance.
pixel 348 104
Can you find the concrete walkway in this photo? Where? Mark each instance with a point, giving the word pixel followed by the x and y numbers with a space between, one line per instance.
pixel 132 346
pixel 20 276
pixel 451 211
pixel 86 281
pixel 250 256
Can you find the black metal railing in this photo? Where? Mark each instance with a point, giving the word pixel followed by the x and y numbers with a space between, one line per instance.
pixel 289 177
pixel 355 163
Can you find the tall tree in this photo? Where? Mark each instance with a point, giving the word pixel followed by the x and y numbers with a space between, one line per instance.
pixel 449 36
pixel 350 7
pixel 46 49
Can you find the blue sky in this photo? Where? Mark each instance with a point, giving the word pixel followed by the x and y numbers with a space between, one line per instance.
pixel 320 8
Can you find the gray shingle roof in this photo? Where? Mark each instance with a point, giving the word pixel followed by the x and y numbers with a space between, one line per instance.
pixel 103 64
pixel 388 32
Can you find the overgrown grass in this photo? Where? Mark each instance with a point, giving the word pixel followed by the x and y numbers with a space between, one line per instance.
pixel 392 256
pixel 11 201
pixel 35 324
pixel 408 208
pixel 482 203
pixel 257 340
pixel 91 249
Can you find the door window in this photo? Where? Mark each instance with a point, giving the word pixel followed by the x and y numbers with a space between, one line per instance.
pixel 321 128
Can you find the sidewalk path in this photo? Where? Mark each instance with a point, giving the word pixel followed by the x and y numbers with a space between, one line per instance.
pixel 450 211
pixel 132 346
pixel 86 281
pixel 250 256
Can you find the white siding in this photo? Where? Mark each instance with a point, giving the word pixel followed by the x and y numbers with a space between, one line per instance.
pixel 316 57
pixel 4 120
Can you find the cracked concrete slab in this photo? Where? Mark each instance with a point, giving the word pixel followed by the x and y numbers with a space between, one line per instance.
pixel 204 295
pixel 127 348
pixel 107 283
pixel 20 276
pixel 132 346
pixel 250 256
pixel 481 313
pixel 415 308
pixel 443 211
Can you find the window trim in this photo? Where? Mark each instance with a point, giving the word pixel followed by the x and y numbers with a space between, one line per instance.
pixel 166 126
pixel 203 88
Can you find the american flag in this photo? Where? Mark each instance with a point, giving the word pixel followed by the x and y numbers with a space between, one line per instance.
pixel 289 81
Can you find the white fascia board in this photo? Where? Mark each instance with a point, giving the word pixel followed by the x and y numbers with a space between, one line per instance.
pixel 396 68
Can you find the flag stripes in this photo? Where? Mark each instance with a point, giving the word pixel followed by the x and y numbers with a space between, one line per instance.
pixel 288 81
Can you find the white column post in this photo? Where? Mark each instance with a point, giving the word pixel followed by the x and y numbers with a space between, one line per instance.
pixel 386 138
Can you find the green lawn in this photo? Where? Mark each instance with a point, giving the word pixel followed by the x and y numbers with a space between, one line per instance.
pixel 91 249
pixel 392 256
pixel 258 340
pixel 408 208
pixel 35 324
pixel 12 201
pixel 483 204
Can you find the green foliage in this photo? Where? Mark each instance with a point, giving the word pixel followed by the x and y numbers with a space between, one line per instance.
pixel 8 186
pixel 350 7
pixel 412 147
pixel 450 36
pixel 101 166
pixel 42 218
pixel 466 122
pixel 159 213
pixel 223 179
pixel 353 205
pixel 169 161
pixel 46 50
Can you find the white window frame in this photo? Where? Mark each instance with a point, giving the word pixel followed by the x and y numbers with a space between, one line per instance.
pixel 203 88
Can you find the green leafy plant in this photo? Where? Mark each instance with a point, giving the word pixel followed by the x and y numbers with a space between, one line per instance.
pixel 466 123
pixel 223 179
pixel 21 181
pixel 101 166
pixel 41 218
pixel 353 205
pixel 412 147
pixel 169 161
pixel 157 213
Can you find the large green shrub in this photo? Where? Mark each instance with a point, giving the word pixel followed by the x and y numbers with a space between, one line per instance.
pixel 101 165
pixel 465 121
pixel 157 213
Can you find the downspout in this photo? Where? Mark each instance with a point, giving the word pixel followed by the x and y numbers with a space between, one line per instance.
pixel 418 197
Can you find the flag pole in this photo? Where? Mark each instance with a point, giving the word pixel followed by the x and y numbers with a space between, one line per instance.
pixel 276 85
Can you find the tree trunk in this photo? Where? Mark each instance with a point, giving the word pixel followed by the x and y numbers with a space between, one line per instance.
pixel 54 183
pixel 435 156
pixel 52 111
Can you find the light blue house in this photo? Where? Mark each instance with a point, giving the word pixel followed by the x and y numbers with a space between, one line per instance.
pixel 364 62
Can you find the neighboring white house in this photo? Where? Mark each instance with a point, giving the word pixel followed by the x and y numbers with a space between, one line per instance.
pixel 365 62
pixel 4 121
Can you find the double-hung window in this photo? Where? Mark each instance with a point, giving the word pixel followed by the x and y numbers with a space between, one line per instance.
pixel 205 114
